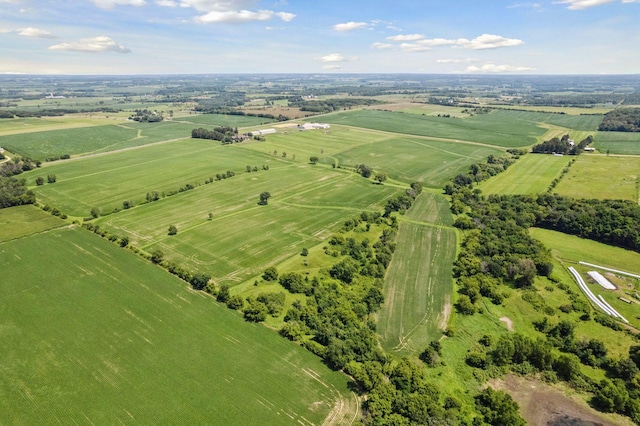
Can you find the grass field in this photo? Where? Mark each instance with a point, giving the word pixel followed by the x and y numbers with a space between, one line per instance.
pixel 225 120
pixel 129 175
pixel 418 285
pixel 531 174
pixel 94 335
pixel 499 128
pixel 570 250
pixel 243 238
pixel 40 145
pixel 618 142
pixel 602 177
pixel 20 221
pixel 407 159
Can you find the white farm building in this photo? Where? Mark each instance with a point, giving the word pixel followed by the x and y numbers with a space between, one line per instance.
pixel 262 132
pixel 313 126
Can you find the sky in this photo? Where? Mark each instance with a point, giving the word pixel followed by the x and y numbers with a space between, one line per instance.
pixel 319 36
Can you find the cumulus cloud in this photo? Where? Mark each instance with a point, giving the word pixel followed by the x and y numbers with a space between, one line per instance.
pixel 110 4
pixel 350 26
pixel 493 68
pixel 406 37
pixel 333 57
pixel 35 32
pixel 238 16
pixel 92 45
pixel 227 11
pixel 379 45
pixel 455 61
pixel 488 41
pixel 414 47
pixel 10 1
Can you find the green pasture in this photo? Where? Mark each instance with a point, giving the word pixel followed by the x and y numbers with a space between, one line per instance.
pixel 430 208
pixel 243 238
pixel 106 181
pixel 86 140
pixel 602 177
pixel 20 221
pixel 618 142
pixel 560 110
pixel 418 288
pixel 431 162
pixel 225 120
pixel 92 334
pixel 531 174
pixel 499 128
pixel 30 125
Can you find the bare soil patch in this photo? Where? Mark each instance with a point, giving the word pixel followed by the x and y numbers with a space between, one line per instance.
pixel 507 322
pixel 544 405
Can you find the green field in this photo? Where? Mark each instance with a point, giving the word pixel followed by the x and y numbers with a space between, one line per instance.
pixel 531 174
pixel 41 145
pixel 499 128
pixel 20 221
pixel 418 286
pixel 243 238
pixel 108 180
pixel 618 142
pixel 602 177
pixel 94 335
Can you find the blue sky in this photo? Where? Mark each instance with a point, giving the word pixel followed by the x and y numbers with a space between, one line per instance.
pixel 307 36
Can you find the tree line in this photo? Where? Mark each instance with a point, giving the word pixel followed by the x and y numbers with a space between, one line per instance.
pixel 223 134
pixel 621 120
pixel 562 146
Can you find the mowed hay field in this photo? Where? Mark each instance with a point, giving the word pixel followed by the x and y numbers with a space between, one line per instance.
pixel 499 128
pixel 94 335
pixel 418 285
pixel 531 174
pixel 602 177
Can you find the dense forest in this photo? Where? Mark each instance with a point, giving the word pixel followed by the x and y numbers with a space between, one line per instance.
pixel 223 134
pixel 621 120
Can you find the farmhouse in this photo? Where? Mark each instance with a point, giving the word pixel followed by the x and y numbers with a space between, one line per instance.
pixel 313 126
pixel 262 132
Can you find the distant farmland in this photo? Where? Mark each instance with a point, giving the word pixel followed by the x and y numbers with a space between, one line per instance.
pixel 500 128
pixel 92 334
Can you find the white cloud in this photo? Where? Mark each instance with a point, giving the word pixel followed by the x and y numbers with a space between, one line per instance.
pixel 333 57
pixel 413 47
pixel 493 68
pixel 167 3
pixel 332 67
pixel 35 32
pixel 582 4
pixel 92 45
pixel 110 4
pixel 438 42
pixel 379 45
pixel 488 41
pixel 350 26
pixel 455 61
pixel 406 37
pixel 10 1
pixel 238 16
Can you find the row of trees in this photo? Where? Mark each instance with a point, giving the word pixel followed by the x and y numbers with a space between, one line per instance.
pixel 13 192
pixel 223 134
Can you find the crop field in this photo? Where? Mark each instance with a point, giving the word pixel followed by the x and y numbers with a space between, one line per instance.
pixel 242 238
pixel 602 177
pixel 618 142
pixel 531 174
pixel 418 288
pixel 129 175
pixel 29 125
pixel 94 335
pixel 431 162
pixel 499 128
pixel 430 208
pixel 224 120
pixel 563 109
pixel 20 221
pixel 40 145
